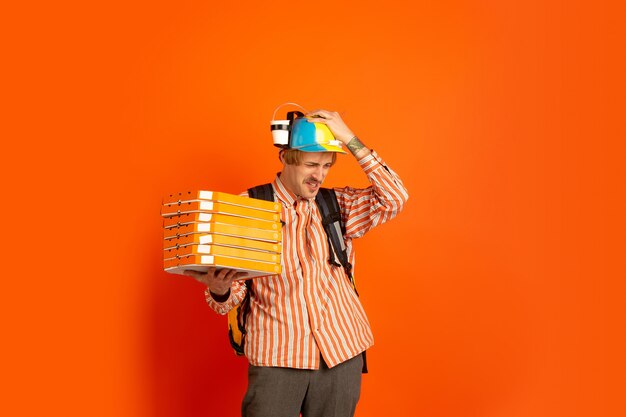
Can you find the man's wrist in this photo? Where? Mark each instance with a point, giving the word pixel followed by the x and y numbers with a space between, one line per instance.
pixel 357 147
pixel 220 298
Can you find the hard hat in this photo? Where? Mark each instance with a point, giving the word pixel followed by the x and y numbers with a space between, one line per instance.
pixel 298 133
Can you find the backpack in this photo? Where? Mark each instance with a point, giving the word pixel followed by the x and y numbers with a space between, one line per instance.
pixel 327 203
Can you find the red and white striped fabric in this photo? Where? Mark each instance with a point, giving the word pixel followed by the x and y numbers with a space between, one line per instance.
pixel 311 308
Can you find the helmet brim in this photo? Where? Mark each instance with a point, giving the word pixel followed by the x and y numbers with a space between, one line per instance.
pixel 321 147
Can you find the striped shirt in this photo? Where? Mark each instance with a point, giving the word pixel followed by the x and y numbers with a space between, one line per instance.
pixel 311 308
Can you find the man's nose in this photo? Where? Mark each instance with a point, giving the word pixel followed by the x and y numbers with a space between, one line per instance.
pixel 318 174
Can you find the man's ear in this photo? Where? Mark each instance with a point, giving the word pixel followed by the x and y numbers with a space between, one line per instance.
pixel 281 156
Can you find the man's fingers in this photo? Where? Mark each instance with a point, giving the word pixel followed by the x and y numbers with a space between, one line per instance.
pixel 226 274
pixel 203 277
pixel 221 274
pixel 233 274
pixel 214 278
pixel 240 275
pixel 192 273
pixel 322 114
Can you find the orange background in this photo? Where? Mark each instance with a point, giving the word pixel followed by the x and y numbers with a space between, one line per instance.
pixel 497 292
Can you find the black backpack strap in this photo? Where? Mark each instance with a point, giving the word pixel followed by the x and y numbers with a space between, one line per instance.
pixel 262 192
pixel 330 211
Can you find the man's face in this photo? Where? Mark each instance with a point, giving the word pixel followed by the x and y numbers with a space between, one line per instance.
pixel 305 179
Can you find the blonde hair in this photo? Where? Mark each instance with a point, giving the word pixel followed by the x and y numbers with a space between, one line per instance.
pixel 294 156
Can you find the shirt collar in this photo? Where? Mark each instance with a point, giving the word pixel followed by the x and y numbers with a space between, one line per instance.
pixel 287 197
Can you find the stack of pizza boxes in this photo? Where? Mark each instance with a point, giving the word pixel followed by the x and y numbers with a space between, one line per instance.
pixel 205 229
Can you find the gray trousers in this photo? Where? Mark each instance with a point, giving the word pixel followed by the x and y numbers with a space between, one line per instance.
pixel 287 392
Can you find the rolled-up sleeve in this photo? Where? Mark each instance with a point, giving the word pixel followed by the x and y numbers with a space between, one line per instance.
pixel 237 293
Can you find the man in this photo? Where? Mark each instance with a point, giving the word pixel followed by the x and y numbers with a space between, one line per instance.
pixel 306 328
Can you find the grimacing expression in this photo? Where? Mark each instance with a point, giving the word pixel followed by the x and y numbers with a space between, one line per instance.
pixel 305 179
